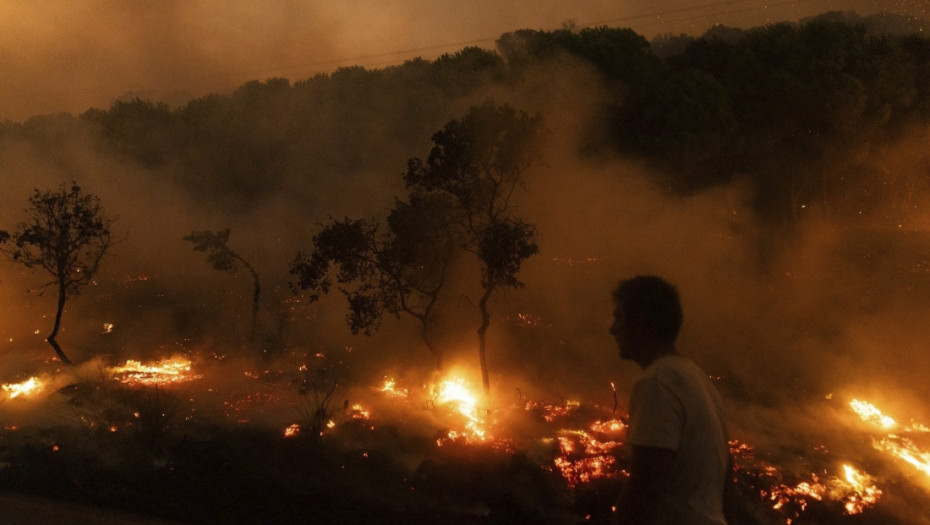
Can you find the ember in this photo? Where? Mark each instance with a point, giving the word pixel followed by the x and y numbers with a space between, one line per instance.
pixel 173 370
pixel 390 388
pixel 589 455
pixel 552 412
pixel 28 387
pixel 292 430
pixel 854 490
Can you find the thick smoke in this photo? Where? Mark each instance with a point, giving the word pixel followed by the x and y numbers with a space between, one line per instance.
pixel 63 56
pixel 784 323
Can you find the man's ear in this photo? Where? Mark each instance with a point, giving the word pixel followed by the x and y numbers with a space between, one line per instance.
pixel 638 323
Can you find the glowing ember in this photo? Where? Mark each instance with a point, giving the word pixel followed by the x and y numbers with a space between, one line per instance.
pixel 173 370
pixel 359 412
pixel 855 490
pixel 291 430
pixel 389 387
pixel 28 387
pixel 552 412
pixel 589 455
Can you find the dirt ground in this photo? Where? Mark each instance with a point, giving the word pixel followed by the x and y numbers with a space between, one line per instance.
pixel 17 509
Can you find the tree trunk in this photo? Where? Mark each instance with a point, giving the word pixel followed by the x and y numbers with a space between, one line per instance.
pixel 256 294
pixel 62 295
pixel 437 353
pixel 482 330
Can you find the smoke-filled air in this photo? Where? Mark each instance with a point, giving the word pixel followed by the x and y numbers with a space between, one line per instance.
pixel 322 265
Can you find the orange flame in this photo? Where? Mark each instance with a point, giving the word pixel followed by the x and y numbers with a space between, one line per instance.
pixel 33 385
pixel 893 443
pixel 174 370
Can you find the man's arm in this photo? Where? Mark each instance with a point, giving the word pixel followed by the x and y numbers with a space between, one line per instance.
pixel 649 471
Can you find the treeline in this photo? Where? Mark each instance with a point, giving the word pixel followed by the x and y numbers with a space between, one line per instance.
pixel 805 112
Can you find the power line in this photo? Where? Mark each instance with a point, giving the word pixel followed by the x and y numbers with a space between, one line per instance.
pixel 717 8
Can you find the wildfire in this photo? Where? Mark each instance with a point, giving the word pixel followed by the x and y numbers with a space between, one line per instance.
pixel 586 455
pixel 173 370
pixel 359 412
pixel 292 430
pixel 552 412
pixel 33 385
pixel 855 490
pixel 862 492
pixel 870 414
pixel 894 443
pixel 456 395
pixel 390 388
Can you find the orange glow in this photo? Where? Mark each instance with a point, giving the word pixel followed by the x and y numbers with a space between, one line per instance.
pixel 870 414
pixel 456 394
pixel 31 386
pixel 861 491
pixel 174 370
pixel 894 443
pixel 291 430
pixel 587 455
pixel 389 387
pixel 359 412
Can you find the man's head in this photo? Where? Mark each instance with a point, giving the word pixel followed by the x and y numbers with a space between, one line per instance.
pixel 647 318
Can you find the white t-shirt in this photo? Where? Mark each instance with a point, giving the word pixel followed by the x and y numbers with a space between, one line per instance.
pixel 675 406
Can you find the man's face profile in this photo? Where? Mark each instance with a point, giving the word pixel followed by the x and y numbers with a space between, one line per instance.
pixel 621 332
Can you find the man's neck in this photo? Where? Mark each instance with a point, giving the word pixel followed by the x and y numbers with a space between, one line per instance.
pixel 656 353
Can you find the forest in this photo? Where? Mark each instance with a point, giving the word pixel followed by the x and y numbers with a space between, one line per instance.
pixel 805 112
pixel 471 212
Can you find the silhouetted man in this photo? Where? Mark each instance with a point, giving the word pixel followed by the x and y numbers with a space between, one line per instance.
pixel 680 456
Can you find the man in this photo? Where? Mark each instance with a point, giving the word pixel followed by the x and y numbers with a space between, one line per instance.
pixel 680 457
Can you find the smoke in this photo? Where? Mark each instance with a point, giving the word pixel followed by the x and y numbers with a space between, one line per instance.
pixel 785 323
pixel 63 56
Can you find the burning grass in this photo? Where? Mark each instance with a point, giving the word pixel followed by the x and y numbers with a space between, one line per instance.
pixel 208 441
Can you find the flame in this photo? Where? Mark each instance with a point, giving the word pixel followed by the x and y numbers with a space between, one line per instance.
pixel 292 430
pixel 855 490
pixel 359 412
pixel 389 387
pixel 33 385
pixel 893 443
pixel 870 414
pixel 455 394
pixel 174 370
pixel 862 492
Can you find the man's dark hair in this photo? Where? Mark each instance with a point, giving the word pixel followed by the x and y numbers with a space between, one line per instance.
pixel 653 299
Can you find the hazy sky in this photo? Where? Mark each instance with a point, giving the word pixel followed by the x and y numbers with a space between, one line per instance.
pixel 66 55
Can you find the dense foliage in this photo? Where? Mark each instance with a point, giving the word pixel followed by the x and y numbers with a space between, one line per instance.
pixel 803 111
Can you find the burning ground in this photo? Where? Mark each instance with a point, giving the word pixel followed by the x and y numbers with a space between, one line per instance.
pixel 205 437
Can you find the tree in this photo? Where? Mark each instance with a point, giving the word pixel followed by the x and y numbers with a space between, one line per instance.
pixel 478 162
pixel 400 271
pixel 66 233
pixel 222 258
